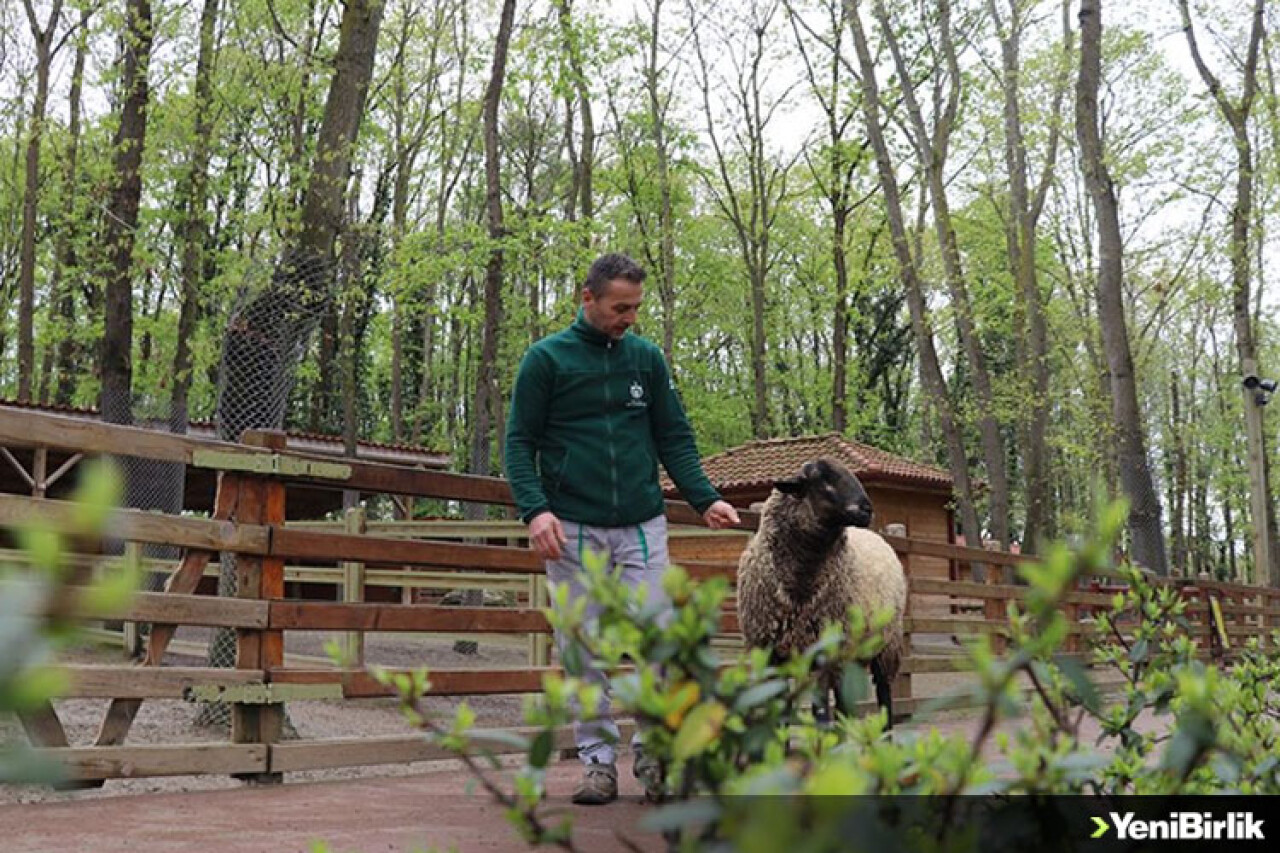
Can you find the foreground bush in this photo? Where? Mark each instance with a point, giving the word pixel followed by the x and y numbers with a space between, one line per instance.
pixel 37 590
pixel 730 734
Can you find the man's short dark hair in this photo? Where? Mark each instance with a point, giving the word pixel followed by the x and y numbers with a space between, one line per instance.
pixel 606 268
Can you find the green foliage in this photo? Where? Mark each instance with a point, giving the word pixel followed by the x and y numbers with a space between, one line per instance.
pixel 729 732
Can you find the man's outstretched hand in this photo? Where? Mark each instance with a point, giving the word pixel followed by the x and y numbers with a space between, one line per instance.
pixel 720 515
pixel 546 536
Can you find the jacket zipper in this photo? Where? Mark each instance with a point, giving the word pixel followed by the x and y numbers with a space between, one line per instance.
pixel 608 419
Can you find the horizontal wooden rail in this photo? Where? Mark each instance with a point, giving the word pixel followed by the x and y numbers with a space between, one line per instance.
pixel 358 684
pixel 327 616
pixel 20 427
pixel 927 548
pixel 98 681
pixel 327 753
pixel 135 762
pixel 997 592
pixel 305 545
pixel 206 610
pixel 332 616
pixel 137 526
pixel 167 608
pixel 406 578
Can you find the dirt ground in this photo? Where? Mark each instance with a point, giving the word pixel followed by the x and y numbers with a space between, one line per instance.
pixel 407 814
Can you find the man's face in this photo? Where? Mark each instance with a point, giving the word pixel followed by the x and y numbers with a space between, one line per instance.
pixel 614 310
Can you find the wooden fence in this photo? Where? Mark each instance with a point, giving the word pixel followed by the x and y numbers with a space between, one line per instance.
pixel 248 520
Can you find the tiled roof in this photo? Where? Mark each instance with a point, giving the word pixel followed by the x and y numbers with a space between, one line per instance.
pixel 759 463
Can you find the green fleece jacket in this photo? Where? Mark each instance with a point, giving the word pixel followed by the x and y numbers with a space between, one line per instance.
pixel 590 420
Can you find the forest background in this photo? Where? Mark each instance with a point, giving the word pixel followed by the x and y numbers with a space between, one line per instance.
pixel 989 234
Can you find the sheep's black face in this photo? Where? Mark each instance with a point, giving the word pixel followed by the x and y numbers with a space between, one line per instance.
pixel 836 495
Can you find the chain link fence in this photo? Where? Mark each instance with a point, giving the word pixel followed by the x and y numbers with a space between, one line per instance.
pixel 267 336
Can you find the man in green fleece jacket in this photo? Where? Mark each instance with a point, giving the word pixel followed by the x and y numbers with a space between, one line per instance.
pixel 593 412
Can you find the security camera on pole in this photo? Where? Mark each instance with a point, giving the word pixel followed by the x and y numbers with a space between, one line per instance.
pixel 1257 392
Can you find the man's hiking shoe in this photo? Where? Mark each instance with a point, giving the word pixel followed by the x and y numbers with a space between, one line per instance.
pixel 599 785
pixel 649 771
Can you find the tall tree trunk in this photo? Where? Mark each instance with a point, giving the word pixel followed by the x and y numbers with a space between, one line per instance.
pixel 347 351
pixel 59 356
pixel 263 343
pixel 1145 531
pixel 193 200
pixel 485 406
pixel 455 153
pixel 1266 553
pixel 840 327
pixel 932 146
pixel 585 165
pixel 1178 487
pixel 483 412
pixel 408 142
pixel 1026 204
pixel 931 376
pixel 43 38
pixel 122 217
pixel 666 216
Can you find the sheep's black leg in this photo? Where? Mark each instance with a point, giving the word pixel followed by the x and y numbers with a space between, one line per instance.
pixel 884 690
pixel 823 714
pixel 821 707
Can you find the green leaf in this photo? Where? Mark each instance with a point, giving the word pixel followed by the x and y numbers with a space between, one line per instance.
pixel 700 728
pixel 758 694
pixel 833 779
pixel 500 737
pixel 540 752
pixel 1079 678
pixel 115 590
pixel 854 686
pixel 1138 651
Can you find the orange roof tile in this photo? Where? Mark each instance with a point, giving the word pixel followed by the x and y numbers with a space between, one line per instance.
pixel 759 463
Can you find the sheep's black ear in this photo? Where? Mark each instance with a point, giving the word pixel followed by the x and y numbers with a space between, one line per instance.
pixel 815 470
pixel 790 486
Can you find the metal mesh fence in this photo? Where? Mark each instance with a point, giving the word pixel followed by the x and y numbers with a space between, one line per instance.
pixel 266 338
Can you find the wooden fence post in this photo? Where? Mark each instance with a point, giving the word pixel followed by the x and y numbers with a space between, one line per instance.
pixel 995 609
pixel 539 644
pixel 353 576
pixel 131 630
pixel 1271 621
pixel 901 688
pixel 262 501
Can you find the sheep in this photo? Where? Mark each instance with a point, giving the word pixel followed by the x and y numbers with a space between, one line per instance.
pixel 812 559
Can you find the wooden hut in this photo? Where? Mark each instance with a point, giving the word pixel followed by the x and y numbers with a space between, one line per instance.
pixel 910 498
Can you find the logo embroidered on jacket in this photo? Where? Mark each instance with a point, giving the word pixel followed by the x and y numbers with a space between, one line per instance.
pixel 637 396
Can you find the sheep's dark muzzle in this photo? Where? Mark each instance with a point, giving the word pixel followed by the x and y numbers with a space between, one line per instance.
pixel 858 516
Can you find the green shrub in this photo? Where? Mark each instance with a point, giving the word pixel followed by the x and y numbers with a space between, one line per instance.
pixel 730 733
